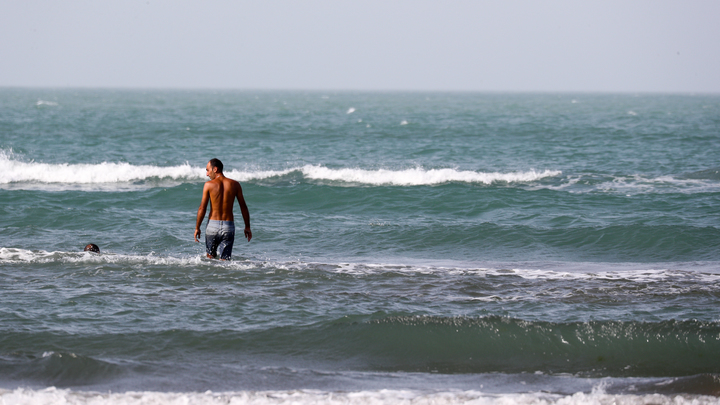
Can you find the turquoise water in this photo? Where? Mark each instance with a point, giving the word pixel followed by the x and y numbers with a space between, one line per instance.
pixel 406 246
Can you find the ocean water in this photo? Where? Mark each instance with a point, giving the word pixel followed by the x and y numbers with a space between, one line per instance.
pixel 408 248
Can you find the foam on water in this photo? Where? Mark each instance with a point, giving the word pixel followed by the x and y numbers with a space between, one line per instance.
pixel 553 271
pixel 44 102
pixel 639 184
pixel 298 397
pixel 420 176
pixel 117 176
pixel 634 184
pixel 12 255
pixel 18 172
pixel 108 176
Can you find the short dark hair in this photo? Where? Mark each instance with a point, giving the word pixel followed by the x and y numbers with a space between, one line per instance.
pixel 215 162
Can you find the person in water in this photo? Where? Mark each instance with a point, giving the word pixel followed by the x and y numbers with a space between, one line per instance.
pixel 221 192
pixel 92 248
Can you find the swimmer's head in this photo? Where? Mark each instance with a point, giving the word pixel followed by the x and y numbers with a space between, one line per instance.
pixel 92 248
pixel 216 163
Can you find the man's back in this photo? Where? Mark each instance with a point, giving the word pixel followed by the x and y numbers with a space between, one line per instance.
pixel 223 192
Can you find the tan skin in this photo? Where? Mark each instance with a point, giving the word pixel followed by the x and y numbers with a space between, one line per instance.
pixel 221 192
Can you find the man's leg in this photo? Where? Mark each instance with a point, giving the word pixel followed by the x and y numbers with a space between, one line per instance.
pixel 227 236
pixel 211 240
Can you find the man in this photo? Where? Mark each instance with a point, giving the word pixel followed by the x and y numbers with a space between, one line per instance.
pixel 221 192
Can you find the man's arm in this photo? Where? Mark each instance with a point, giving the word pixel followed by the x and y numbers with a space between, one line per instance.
pixel 202 210
pixel 245 212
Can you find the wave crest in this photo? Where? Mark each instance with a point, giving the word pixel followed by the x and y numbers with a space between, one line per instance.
pixel 307 396
pixel 697 272
pixel 419 176
pixel 16 172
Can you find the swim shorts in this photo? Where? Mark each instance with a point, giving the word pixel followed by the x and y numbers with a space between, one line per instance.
pixel 219 238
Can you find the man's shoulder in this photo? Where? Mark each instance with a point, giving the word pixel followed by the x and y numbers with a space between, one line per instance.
pixel 211 184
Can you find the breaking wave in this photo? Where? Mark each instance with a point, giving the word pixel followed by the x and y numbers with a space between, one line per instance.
pixel 18 174
pixel 300 397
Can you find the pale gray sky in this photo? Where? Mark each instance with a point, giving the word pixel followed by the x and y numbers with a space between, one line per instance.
pixel 457 45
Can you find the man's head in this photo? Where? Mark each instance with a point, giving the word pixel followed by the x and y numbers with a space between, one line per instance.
pixel 217 163
pixel 92 248
pixel 213 168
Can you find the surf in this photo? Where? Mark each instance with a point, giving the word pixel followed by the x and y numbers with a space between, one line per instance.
pixel 17 172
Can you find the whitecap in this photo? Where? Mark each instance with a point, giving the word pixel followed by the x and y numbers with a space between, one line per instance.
pixel 114 176
pixel 635 184
pixel 420 176
pixel 704 273
pixel 312 396
pixel 44 102
pixel 110 176
pixel 17 256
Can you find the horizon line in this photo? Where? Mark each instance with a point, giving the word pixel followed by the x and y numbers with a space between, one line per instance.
pixel 350 90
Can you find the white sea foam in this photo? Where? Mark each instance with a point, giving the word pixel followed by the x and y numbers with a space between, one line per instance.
pixel 20 174
pixel 701 272
pixel 420 176
pixel 629 272
pixel 640 184
pixel 17 171
pixel 108 175
pixel 44 102
pixel 632 184
pixel 15 256
pixel 299 397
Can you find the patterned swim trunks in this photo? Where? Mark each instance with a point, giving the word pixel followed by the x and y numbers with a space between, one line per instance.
pixel 219 238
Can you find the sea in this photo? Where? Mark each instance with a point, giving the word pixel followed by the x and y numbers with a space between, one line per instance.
pixel 408 248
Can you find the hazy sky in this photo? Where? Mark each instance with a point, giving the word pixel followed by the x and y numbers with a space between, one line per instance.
pixel 501 45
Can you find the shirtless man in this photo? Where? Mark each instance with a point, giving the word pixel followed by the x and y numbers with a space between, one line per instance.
pixel 221 193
